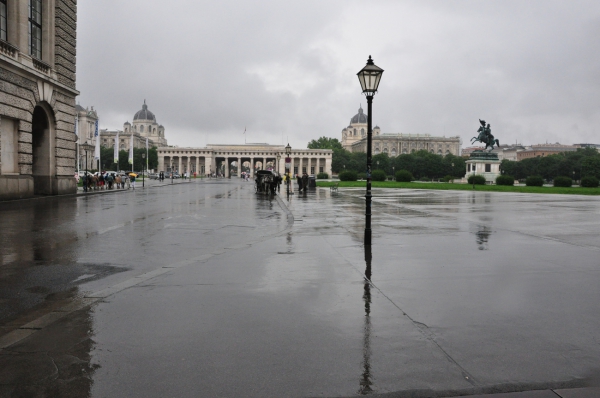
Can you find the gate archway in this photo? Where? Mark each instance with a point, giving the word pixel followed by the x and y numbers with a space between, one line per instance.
pixel 43 159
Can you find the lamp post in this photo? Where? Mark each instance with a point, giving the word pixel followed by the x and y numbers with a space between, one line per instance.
pixel 171 171
pixel 369 78
pixel 86 172
pixel 143 164
pixel 288 153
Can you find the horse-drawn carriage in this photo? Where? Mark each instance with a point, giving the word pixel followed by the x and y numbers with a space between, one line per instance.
pixel 267 181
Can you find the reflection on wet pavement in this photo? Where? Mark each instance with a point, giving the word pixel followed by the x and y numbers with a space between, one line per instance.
pixel 211 290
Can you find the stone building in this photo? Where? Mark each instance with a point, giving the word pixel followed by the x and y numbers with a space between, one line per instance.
pixel 542 150
pixel 86 126
pixel 37 97
pixel 215 158
pixel 144 123
pixel 354 139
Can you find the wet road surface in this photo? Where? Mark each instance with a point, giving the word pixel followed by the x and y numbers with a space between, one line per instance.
pixel 208 289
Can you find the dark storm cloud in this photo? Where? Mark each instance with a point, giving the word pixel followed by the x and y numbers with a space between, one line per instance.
pixel 282 69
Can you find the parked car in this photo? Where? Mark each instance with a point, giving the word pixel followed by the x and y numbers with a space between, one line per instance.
pixel 153 176
pixel 176 175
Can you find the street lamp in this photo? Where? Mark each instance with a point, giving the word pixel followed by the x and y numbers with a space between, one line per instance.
pixel 172 171
pixel 288 153
pixel 86 172
pixel 143 164
pixel 369 78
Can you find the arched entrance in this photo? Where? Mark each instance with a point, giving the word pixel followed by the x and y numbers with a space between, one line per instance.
pixel 43 153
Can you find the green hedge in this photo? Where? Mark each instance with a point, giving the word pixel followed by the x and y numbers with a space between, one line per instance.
pixel 505 180
pixel 378 175
pixel 361 176
pixel 348 176
pixel 589 182
pixel 563 182
pixel 322 176
pixel 476 179
pixel 404 176
pixel 534 181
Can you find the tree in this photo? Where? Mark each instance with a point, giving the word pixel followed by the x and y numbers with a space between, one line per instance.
pixel 325 143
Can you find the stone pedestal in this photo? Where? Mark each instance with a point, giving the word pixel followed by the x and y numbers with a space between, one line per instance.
pixel 483 163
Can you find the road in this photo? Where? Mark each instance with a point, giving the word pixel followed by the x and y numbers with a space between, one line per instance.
pixel 208 289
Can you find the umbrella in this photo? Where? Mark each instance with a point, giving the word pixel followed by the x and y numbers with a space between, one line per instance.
pixel 133 174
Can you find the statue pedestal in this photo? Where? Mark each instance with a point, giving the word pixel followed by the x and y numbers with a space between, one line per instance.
pixel 483 163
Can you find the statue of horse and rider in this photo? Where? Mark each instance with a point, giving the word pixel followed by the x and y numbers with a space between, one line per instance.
pixel 485 136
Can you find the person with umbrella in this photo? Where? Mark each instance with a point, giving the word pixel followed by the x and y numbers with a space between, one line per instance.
pixel 132 179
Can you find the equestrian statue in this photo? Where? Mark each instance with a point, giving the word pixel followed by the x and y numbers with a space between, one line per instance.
pixel 485 136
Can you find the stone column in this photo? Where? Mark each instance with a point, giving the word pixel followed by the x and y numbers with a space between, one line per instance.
pixel 226 167
pixel 179 162
pixel 251 167
pixel 198 165
pixel 161 163
pixel 327 168
pixel 208 164
pixel 282 164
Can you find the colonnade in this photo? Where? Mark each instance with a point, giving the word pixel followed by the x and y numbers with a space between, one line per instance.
pixel 220 158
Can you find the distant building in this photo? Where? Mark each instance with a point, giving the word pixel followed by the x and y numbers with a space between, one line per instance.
pixel 144 126
pixel 354 139
pixel 86 126
pixel 596 146
pixel 543 150
pixel 37 108
pixel 508 152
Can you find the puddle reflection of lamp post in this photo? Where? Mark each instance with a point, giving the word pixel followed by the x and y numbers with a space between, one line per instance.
pixel 369 78
pixel 143 164
pixel 366 383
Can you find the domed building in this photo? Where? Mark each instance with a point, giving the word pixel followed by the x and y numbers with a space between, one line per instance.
pixel 354 139
pixel 356 130
pixel 144 123
pixel 144 126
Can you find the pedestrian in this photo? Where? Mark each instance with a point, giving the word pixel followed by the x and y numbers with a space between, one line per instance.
pixel 85 182
pixel 132 177
pixel 299 180
pixel 126 181
pixel 305 182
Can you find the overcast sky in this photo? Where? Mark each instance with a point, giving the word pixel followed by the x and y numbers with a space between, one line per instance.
pixel 286 70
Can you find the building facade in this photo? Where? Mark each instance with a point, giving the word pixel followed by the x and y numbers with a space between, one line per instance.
pixel 216 158
pixel 543 150
pixel 86 126
pixel 354 139
pixel 37 98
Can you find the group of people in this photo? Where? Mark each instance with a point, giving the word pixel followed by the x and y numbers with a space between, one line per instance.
pixel 302 181
pixel 107 181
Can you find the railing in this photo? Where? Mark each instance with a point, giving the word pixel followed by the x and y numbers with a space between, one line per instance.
pixel 8 49
pixel 41 66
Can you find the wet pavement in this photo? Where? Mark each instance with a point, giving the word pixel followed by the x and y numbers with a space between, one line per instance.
pixel 208 289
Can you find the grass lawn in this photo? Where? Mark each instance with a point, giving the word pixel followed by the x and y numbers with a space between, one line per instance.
pixel 576 190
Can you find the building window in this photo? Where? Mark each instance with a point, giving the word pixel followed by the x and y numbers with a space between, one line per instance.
pixel 3 20
pixel 488 168
pixel 320 169
pixel 295 169
pixel 312 169
pixel 303 170
pixel 35 28
pixel 362 132
pixel 141 129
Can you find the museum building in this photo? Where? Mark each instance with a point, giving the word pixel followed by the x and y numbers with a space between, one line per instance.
pixel 354 139
pixel 37 97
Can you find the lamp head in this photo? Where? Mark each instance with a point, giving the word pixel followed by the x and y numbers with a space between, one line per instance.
pixel 369 77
